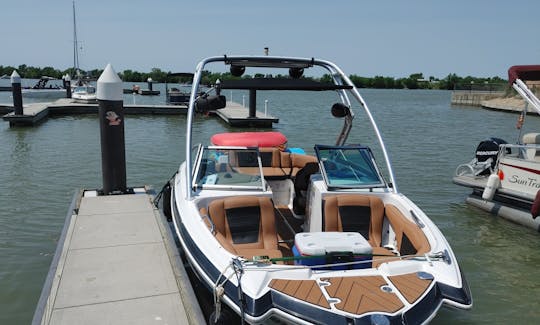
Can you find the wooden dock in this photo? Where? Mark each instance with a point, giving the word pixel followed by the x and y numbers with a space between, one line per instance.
pixel 237 115
pixel 116 263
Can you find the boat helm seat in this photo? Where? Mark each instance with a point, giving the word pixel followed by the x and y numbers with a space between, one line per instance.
pixel 355 213
pixel 245 226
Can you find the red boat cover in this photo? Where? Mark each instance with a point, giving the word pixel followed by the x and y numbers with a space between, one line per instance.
pixel 523 72
pixel 250 139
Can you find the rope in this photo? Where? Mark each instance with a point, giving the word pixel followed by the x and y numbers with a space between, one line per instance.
pixel 257 260
pixel 263 259
pixel 160 194
pixel 219 291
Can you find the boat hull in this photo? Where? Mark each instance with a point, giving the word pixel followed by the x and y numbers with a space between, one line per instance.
pixel 280 305
pixel 520 176
pixel 509 204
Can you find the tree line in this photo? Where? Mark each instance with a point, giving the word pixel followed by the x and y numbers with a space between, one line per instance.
pixel 413 81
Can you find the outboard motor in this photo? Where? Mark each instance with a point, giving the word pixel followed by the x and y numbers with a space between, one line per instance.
pixel 489 149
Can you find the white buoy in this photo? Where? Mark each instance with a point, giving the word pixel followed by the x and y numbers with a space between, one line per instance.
pixel 491 187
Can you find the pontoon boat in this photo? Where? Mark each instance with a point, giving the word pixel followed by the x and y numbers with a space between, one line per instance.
pixel 505 178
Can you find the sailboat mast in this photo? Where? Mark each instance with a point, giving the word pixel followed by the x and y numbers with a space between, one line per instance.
pixel 75 46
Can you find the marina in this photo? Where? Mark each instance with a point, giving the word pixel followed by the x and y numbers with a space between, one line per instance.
pixel 486 245
pixel 398 185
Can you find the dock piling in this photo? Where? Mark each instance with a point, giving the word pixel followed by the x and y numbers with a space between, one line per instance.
pixel 111 120
pixel 67 85
pixel 252 103
pixel 17 93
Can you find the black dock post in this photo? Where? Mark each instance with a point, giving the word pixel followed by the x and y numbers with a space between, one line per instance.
pixel 16 90
pixel 149 81
pixel 67 85
pixel 111 121
pixel 252 103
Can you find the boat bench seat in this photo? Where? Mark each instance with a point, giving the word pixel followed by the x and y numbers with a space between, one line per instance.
pixel 411 240
pixel 292 163
pixel 244 225
pixel 276 164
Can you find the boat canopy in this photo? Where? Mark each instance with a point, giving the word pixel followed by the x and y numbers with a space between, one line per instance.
pixel 523 72
pixel 280 84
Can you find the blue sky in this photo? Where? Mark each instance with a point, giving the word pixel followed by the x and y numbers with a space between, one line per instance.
pixel 372 37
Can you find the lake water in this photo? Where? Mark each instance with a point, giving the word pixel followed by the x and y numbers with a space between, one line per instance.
pixel 42 167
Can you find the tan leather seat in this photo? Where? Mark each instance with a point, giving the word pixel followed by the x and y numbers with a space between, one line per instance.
pixel 245 226
pixel 291 163
pixel 355 213
pixel 410 238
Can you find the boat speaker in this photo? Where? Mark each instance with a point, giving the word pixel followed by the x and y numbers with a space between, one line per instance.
pixel 340 110
pixel 237 70
pixel 296 73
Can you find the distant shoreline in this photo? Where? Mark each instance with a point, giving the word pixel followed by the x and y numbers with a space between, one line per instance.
pixel 413 81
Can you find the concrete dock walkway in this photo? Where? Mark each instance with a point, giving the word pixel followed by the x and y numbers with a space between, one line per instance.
pixel 116 263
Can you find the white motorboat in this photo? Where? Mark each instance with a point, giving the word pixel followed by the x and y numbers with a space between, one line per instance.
pixel 281 236
pixel 505 178
pixel 84 93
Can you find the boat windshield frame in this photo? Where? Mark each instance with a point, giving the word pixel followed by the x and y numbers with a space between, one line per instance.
pixel 349 167
pixel 228 168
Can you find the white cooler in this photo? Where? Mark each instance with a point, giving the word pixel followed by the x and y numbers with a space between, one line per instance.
pixel 332 247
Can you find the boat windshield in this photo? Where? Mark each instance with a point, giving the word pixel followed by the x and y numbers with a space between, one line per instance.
pixel 348 167
pixel 237 168
pixel 85 89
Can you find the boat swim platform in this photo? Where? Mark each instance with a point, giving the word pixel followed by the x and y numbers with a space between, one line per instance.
pixel 116 263
pixel 36 113
pixel 237 115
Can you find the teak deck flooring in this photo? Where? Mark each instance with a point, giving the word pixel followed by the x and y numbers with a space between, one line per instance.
pixel 356 295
